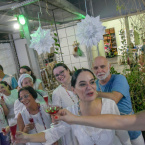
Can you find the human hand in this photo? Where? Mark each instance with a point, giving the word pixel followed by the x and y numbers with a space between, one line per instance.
pixel 29 127
pixel 66 116
pixel 21 137
pixel 7 130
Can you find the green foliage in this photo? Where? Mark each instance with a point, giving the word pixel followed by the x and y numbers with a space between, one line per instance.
pixel 113 71
pixel 57 45
pixel 136 82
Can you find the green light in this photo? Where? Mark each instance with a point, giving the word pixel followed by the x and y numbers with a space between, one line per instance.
pixel 22 19
pixel 82 16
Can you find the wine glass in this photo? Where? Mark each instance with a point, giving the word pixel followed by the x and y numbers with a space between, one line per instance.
pixel 52 110
pixel 46 99
pixel 13 127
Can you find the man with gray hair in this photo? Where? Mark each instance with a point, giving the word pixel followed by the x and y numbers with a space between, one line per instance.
pixel 115 87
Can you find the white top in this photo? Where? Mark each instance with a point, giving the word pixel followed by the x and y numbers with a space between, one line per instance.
pixel 19 107
pixel 3 122
pixel 10 100
pixel 61 98
pixel 39 126
pixel 36 84
pixel 90 135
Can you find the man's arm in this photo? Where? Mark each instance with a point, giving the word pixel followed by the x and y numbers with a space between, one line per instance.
pixel 116 96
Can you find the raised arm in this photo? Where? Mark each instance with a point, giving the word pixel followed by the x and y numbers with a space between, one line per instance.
pixel 106 121
pixel 24 138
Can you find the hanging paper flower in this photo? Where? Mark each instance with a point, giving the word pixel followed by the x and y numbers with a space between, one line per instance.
pixel 90 31
pixel 41 41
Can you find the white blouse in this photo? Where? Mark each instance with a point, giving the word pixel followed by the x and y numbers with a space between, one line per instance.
pixel 39 121
pixel 90 135
pixel 10 100
pixel 63 98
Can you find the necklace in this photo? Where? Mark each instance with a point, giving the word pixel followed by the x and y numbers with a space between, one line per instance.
pixel 37 120
pixel 70 96
pixel 91 137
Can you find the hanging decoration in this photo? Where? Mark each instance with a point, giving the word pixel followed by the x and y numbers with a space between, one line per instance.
pixel 41 40
pixel 90 31
pixel 76 50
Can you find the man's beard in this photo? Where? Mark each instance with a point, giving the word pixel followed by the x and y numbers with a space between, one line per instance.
pixel 105 75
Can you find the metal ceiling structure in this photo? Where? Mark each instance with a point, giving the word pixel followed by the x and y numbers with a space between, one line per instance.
pixel 63 12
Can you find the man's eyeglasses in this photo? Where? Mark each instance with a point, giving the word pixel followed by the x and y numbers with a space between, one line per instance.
pixel 61 73
pixel 25 96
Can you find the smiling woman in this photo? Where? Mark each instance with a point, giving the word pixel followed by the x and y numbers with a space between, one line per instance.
pixel 9 96
pixel 83 83
pixel 33 119
pixel 63 95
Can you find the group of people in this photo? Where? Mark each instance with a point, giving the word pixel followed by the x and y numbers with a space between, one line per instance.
pixel 86 102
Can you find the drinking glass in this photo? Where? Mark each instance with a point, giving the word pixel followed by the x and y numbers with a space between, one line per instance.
pixel 13 127
pixel 52 110
pixel 46 99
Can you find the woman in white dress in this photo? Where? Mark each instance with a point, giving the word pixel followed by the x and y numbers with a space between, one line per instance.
pixel 83 83
pixel 34 111
pixel 37 83
pixel 27 80
pixel 63 95
pixel 9 96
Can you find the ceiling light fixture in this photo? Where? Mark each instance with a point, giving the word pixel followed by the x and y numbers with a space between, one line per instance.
pixel 16 26
pixel 21 19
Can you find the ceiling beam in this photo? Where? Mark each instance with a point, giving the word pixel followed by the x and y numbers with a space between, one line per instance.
pixel 67 6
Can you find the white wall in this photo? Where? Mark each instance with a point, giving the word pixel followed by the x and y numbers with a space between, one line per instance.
pixel 20 45
pixel 67 37
pixel 7 59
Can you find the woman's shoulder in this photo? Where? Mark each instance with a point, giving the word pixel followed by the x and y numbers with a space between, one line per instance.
pixel 73 109
pixel 14 91
pixel 108 102
pixel 59 88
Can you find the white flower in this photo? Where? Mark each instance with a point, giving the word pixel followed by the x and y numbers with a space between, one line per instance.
pixel 90 31
pixel 41 40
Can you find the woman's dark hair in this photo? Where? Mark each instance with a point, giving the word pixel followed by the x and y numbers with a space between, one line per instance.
pixel 5 84
pixel 76 74
pixel 29 69
pixel 30 90
pixel 63 65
